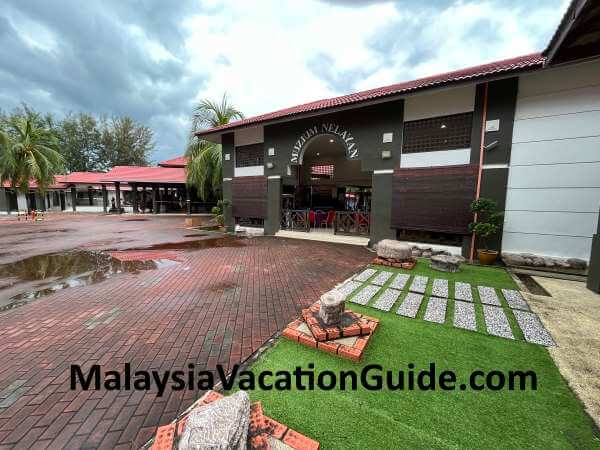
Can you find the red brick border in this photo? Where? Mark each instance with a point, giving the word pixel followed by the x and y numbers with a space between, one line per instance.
pixel 409 265
pixel 368 325
pixel 259 429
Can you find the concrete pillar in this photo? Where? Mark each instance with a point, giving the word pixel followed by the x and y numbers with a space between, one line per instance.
pixel 134 198
pixel 104 198
pixel 273 221
pixel 143 198
pixel 161 205
pixel 154 199
pixel 118 197
pixel 381 207
pixel 74 198
pixel 228 210
pixel 593 281
pixel 188 201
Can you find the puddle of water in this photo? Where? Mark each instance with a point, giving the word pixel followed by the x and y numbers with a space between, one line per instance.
pixel 199 244
pixel 42 275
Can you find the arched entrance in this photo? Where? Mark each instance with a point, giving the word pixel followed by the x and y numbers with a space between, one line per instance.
pixel 331 193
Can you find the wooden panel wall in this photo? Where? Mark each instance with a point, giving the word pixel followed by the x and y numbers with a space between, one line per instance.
pixel 249 197
pixel 434 198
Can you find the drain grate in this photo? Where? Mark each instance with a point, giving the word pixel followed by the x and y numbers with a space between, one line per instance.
pixel 532 286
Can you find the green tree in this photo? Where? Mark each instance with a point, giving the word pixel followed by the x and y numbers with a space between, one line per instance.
pixel 81 143
pixel 205 165
pixel 124 143
pixel 29 151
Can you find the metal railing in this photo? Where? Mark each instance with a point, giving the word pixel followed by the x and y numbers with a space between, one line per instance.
pixel 295 219
pixel 352 223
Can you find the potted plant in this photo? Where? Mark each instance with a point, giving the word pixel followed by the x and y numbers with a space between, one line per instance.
pixel 219 210
pixel 487 223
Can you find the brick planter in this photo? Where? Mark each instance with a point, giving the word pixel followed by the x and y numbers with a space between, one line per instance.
pixel 348 341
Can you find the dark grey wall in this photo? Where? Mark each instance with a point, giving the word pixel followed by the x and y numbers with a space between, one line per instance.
pixel 3 200
pixel 273 221
pixel 227 148
pixel 367 125
pixel 501 104
pixel 381 208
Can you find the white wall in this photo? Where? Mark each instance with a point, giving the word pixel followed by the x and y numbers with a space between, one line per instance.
pixel 553 191
pixel 441 103
pixel 251 171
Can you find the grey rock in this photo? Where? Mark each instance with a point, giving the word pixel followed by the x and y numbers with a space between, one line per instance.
pixel 549 262
pixel 426 254
pixel 416 252
pixel 576 263
pixel 390 249
pixel 220 425
pixel 562 263
pixel 538 262
pixel 332 306
pixel 446 263
pixel 512 259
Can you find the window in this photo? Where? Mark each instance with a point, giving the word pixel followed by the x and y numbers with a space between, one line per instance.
pixel 323 171
pixel 249 155
pixel 438 133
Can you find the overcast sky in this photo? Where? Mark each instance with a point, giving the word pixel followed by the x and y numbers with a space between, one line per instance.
pixel 153 59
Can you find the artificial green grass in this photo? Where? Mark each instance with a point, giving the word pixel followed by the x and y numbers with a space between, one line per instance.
pixel 550 417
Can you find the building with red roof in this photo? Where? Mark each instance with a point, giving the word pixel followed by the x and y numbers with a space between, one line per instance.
pixel 405 161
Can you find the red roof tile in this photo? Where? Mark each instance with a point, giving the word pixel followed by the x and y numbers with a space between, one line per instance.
pixel 58 183
pixel 138 174
pixel 180 161
pixel 511 65
pixel 84 177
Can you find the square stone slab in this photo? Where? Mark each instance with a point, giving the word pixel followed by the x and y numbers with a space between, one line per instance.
pixel 464 315
pixel 440 288
pixel 348 288
pixel 496 322
pixel 488 296
pixel 387 299
pixel 410 305
pixel 514 299
pixel 400 281
pixel 436 310
pixel 462 291
pixel 419 284
pixel 533 329
pixel 365 275
pixel 364 295
pixel 381 278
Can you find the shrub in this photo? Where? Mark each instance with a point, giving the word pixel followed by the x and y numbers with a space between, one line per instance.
pixel 487 220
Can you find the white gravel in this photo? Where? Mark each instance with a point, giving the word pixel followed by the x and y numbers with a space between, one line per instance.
pixel 419 284
pixel 410 305
pixel 436 310
pixel 381 278
pixel 488 296
pixel 400 281
pixel 462 291
pixel 348 288
pixel 464 315
pixel 440 288
pixel 496 322
pixel 366 294
pixel 533 329
pixel 365 275
pixel 514 299
pixel 387 299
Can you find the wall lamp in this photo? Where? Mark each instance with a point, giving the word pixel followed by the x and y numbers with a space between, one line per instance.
pixel 491 146
pixel 270 165
pixel 386 154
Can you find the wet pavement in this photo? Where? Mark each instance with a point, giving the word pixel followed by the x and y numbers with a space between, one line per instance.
pixel 215 300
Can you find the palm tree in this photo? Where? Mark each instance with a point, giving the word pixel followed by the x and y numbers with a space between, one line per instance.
pixel 28 151
pixel 205 165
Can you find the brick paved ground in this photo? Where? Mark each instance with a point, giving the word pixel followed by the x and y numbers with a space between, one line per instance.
pixel 218 306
